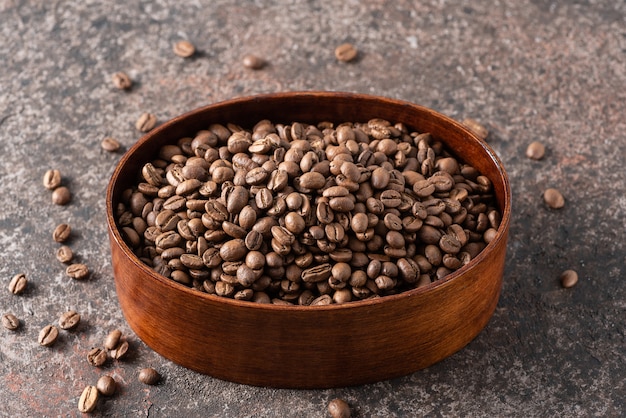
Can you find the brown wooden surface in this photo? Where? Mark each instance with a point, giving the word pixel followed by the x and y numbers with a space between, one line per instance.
pixel 310 347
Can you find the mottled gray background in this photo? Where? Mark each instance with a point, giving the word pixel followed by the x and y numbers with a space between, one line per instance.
pixel 528 70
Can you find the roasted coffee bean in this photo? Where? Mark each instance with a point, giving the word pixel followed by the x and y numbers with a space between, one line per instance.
pixel 536 150
pixel 346 52
pixel 61 196
pixel 120 350
pixel 97 356
pixel 184 49
pixel 48 335
pixel 10 322
pixel 553 198
pixel 77 271
pixel 338 408
pixel 569 278
pixel 52 179
pixel 474 126
pixel 69 320
pixel 149 376
pixel 146 122
pixel 18 284
pixel 112 339
pixel 88 399
pixel 61 233
pixel 121 80
pixel 106 385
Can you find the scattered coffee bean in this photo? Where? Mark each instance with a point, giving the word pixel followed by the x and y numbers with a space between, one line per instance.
pixel 536 150
pixel 120 350
pixel 553 198
pixel 112 339
pixel 149 376
pixel 106 385
pixel 121 80
pixel 18 284
pixel 64 254
pixel 346 52
pixel 88 399
pixel 10 322
pixel 253 62
pixel 61 233
pixel 48 335
pixel 277 214
pixel 61 196
pixel 77 271
pixel 184 49
pixel 110 144
pixel 569 278
pixel 97 356
pixel 52 179
pixel 338 408
pixel 69 320
pixel 146 122
pixel 475 126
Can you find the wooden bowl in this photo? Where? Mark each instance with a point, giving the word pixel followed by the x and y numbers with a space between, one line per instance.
pixel 310 346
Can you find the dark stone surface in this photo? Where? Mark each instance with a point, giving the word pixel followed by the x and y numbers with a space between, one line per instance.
pixel 527 70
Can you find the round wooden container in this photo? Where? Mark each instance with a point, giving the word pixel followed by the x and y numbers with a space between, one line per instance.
pixel 303 346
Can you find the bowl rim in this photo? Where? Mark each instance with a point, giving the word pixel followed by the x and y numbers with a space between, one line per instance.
pixel 501 234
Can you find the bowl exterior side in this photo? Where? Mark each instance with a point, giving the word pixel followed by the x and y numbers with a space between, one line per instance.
pixel 310 347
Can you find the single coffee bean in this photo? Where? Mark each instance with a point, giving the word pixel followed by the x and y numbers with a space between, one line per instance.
pixel 553 198
pixel 10 322
pixel 61 233
pixel 146 122
pixel 253 62
pixel 18 284
pixel 97 356
pixel 64 254
pixel 149 376
pixel 61 196
pixel 184 49
pixel 110 144
pixel 77 271
pixel 536 150
pixel 69 320
pixel 112 339
pixel 474 126
pixel 569 278
pixel 120 351
pixel 121 80
pixel 338 408
pixel 106 385
pixel 346 52
pixel 88 399
pixel 52 179
pixel 48 335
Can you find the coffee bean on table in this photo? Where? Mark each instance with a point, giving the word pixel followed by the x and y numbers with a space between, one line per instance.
pixel 536 150
pixel 77 271
pixel 121 80
pixel 48 335
pixel 253 62
pixel 184 49
pixel 110 144
pixel 149 376
pixel 338 408
pixel 61 196
pixel 112 339
pixel 10 322
pixel 106 385
pixel 120 350
pixel 146 122
pixel 61 233
pixel 346 52
pixel 69 320
pixel 97 356
pixel 88 399
pixel 52 179
pixel 553 198
pixel 476 127
pixel 64 254
pixel 569 278
pixel 18 284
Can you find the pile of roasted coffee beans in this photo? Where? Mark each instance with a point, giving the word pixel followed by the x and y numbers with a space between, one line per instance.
pixel 307 214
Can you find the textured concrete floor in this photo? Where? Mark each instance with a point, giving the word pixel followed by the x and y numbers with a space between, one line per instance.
pixel 531 70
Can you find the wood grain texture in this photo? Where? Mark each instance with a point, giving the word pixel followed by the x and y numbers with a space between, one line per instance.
pixel 310 347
